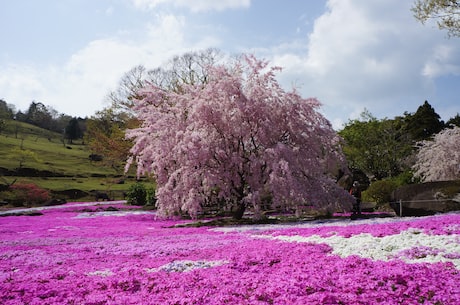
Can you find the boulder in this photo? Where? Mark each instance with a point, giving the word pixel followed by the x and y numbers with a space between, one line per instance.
pixel 427 198
pixel 345 181
pixel 96 157
pixel 368 207
pixel 55 201
pixel 102 196
pixel 70 193
pixel 22 213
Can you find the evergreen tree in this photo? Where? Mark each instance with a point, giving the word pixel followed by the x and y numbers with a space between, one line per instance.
pixel 424 123
pixel 72 130
pixel 454 121
pixel 6 111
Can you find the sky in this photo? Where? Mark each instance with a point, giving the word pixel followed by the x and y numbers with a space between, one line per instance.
pixel 352 55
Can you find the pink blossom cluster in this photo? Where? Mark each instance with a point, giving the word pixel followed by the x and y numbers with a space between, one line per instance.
pixel 438 159
pixel 64 258
pixel 238 138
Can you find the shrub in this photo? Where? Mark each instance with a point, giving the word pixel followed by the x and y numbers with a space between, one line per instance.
pixel 380 191
pixel 26 194
pixel 404 178
pixel 150 197
pixel 138 194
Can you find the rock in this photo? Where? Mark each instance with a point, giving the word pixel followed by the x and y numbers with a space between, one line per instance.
pixel 55 201
pixel 427 198
pixel 111 209
pixel 345 181
pixel 368 206
pixel 71 193
pixel 23 213
pixel 102 196
pixel 96 157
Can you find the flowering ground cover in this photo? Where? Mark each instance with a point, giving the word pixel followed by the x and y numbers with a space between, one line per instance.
pixel 89 255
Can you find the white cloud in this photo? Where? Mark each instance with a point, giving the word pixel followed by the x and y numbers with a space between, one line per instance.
pixel 79 86
pixel 443 61
pixel 369 54
pixel 359 54
pixel 109 11
pixel 17 79
pixel 362 49
pixel 195 5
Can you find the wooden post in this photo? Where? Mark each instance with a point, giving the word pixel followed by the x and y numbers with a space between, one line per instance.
pixel 400 208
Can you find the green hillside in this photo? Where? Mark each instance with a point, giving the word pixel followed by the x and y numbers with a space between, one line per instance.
pixel 32 154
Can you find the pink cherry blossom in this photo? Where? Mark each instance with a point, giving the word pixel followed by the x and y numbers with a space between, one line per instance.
pixel 236 139
pixel 439 159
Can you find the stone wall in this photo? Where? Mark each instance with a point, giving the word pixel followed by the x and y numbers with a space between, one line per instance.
pixel 427 198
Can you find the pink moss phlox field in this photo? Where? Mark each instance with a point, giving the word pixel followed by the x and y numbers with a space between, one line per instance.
pixel 433 225
pixel 70 256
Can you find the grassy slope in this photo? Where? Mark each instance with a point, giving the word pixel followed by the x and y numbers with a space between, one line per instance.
pixel 69 160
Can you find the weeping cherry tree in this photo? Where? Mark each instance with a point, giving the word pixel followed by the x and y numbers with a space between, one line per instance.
pixel 237 138
pixel 439 159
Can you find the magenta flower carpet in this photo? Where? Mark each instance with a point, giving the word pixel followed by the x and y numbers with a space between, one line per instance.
pixel 80 255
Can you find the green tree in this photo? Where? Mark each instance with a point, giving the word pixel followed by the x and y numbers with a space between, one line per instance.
pixel 24 155
pixel 72 131
pixel 379 148
pixel 6 111
pixel 39 115
pixel 445 12
pixel 424 123
pixel 454 121
pixel 105 136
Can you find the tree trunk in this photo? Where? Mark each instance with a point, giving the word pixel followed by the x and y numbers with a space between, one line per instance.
pixel 240 204
pixel 238 214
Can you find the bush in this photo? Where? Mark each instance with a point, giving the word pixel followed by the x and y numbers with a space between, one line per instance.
pixel 138 194
pixel 150 197
pixel 404 178
pixel 26 194
pixel 380 192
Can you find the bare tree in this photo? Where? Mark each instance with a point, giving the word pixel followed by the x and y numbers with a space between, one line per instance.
pixel 133 80
pixel 189 68
pixel 445 12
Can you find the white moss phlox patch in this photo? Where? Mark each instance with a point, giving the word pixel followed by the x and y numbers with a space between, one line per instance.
pixel 410 245
pixel 101 273
pixel 111 213
pixel 187 265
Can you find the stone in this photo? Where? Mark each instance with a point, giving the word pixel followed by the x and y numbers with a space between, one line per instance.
pixel 102 196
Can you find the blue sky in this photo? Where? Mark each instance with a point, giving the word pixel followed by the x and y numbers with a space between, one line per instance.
pixel 350 54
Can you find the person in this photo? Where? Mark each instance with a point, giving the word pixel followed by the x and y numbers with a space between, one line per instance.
pixel 356 192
